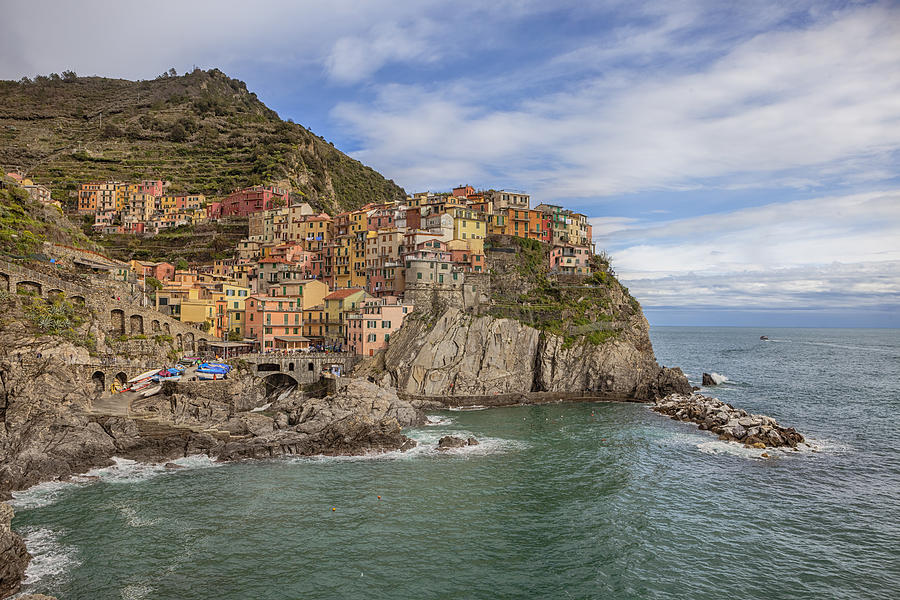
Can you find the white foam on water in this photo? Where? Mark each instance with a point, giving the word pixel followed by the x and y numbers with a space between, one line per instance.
pixel 732 449
pixel 133 518
pixel 51 561
pixel 136 591
pixel 122 471
pixel 718 378
pixel 437 420
pixel 42 494
pixel 464 408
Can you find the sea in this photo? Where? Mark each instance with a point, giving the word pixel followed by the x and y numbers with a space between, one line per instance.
pixel 590 500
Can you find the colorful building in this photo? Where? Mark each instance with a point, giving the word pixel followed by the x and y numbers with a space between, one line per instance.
pixel 369 330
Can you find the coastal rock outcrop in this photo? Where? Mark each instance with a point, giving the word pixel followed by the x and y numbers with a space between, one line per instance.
pixel 465 355
pixel 708 380
pixel 361 417
pixel 731 424
pixel 14 558
pixel 449 442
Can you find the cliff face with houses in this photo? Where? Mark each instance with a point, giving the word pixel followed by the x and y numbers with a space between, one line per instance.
pixel 520 329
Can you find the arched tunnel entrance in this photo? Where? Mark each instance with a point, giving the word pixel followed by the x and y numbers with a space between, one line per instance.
pixel 118 383
pixel 99 381
pixel 278 384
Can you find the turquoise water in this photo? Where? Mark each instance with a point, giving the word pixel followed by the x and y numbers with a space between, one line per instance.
pixel 559 501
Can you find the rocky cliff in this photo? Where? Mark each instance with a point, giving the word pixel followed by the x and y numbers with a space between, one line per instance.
pixel 528 331
pixel 14 557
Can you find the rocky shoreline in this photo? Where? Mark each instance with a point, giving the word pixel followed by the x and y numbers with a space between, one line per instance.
pixel 14 558
pixel 730 423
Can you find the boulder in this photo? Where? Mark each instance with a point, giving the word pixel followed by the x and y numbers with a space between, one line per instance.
pixel 450 441
pixel 472 441
pixel 709 380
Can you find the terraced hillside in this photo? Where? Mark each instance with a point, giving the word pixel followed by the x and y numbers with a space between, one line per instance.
pixel 203 131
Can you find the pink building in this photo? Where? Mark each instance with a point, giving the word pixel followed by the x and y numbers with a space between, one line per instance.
pixel 154 187
pixel 275 322
pixel 253 199
pixel 214 210
pixel 571 260
pixel 370 329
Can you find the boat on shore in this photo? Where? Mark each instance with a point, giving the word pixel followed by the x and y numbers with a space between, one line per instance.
pixel 764 338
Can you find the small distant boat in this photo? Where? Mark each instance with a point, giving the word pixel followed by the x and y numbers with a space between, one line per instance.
pixel 764 337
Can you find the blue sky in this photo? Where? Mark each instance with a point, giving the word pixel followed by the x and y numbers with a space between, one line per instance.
pixel 739 160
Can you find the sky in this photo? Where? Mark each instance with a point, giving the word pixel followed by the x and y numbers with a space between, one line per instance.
pixel 739 161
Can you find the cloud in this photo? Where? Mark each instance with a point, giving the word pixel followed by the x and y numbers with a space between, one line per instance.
pixel 355 58
pixel 821 253
pixel 802 108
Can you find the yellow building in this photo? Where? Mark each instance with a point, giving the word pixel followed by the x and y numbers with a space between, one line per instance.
pixel 337 305
pixel 201 310
pixel 467 223
pixel 309 292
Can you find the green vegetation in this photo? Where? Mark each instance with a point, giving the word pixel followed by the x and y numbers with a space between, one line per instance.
pixel 26 224
pixel 57 316
pixel 180 245
pixel 203 131
pixel 589 310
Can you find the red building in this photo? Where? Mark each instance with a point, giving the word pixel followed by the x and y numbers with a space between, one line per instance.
pixel 254 199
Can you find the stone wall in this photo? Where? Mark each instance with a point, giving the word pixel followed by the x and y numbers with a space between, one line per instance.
pixel 122 317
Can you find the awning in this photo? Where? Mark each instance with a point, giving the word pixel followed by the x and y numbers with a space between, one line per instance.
pixel 291 338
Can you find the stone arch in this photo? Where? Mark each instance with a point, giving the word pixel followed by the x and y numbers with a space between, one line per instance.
pixel 154 325
pixel 4 282
pixel 167 329
pixel 117 321
pixel 178 341
pixel 77 299
pixel 290 366
pixel 55 292
pixel 99 381
pixel 118 382
pixel 266 367
pixel 189 341
pixel 278 383
pixel 136 324
pixel 29 287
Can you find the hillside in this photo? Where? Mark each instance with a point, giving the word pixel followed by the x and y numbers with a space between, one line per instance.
pixel 203 131
pixel 26 224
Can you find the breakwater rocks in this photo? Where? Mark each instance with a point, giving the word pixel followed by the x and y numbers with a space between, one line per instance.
pixel 14 557
pixel 731 424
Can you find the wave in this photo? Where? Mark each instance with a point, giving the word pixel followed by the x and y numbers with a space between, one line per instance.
pixel 437 421
pixel 42 494
pixel 464 408
pixel 51 560
pixel 133 518
pixel 136 591
pixel 718 378
pixel 123 470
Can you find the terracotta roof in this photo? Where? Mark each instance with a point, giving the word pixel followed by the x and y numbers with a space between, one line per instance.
pixel 341 294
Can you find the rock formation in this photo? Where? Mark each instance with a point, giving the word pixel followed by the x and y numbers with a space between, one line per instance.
pixel 13 556
pixel 465 355
pixel 731 424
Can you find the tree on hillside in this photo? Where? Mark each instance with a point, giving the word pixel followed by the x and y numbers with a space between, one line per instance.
pixel 69 75
pixel 178 134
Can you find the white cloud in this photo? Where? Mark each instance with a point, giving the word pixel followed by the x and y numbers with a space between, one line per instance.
pixel 825 252
pixel 801 108
pixel 355 58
